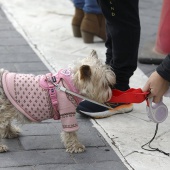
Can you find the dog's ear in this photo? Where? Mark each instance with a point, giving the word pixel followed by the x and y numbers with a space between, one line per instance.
pixel 93 54
pixel 85 72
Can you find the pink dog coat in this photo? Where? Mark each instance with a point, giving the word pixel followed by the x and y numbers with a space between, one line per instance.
pixel 38 99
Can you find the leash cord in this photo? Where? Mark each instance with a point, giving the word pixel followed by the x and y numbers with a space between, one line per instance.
pixel 151 148
pixel 63 89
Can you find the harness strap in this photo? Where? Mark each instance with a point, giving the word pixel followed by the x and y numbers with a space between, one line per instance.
pixel 53 94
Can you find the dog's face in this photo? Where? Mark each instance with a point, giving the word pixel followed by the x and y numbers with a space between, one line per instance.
pixel 93 78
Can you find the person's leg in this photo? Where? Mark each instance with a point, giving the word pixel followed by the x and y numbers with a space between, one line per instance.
pixel 88 6
pixel 91 24
pixel 108 45
pixel 123 33
pixel 123 36
pixel 78 17
pixel 91 6
pixel 79 3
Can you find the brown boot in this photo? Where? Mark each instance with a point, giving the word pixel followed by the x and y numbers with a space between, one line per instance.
pixel 93 25
pixel 76 22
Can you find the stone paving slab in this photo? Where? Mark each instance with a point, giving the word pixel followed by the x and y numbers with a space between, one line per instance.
pixel 107 165
pixel 59 156
pixel 40 157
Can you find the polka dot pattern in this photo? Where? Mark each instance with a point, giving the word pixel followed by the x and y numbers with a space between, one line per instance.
pixel 31 97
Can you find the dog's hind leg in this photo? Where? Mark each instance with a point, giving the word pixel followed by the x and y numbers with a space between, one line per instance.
pixel 3 148
pixel 9 131
pixel 7 114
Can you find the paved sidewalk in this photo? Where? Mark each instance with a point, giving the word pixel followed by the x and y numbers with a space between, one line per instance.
pixel 116 144
pixel 39 146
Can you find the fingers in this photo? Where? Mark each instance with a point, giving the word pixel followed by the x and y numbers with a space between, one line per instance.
pixel 150 95
pixel 157 87
pixel 156 98
pixel 146 87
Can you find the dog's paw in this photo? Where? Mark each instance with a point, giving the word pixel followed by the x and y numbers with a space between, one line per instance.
pixel 76 148
pixel 71 142
pixel 3 148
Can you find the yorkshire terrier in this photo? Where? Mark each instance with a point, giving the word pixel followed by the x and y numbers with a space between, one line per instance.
pixel 29 98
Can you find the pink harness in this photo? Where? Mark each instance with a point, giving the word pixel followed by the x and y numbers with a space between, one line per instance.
pixel 38 99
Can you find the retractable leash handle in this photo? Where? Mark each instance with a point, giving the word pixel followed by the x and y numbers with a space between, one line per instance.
pixel 156 112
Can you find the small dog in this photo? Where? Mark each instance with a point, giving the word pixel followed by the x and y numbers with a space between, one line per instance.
pixel 28 98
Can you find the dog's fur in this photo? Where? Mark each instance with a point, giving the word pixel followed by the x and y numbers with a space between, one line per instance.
pixel 91 77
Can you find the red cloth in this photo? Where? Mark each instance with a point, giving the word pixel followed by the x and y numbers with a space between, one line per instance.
pixel 129 96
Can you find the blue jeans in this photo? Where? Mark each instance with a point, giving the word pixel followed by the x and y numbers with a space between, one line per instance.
pixel 88 6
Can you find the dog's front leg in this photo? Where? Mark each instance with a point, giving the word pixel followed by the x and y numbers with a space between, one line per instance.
pixel 71 142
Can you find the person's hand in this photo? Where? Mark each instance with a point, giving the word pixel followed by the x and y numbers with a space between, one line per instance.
pixel 157 87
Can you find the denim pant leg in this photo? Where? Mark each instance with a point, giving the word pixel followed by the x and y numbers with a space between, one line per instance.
pixel 91 6
pixel 79 3
pixel 88 6
pixel 123 36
